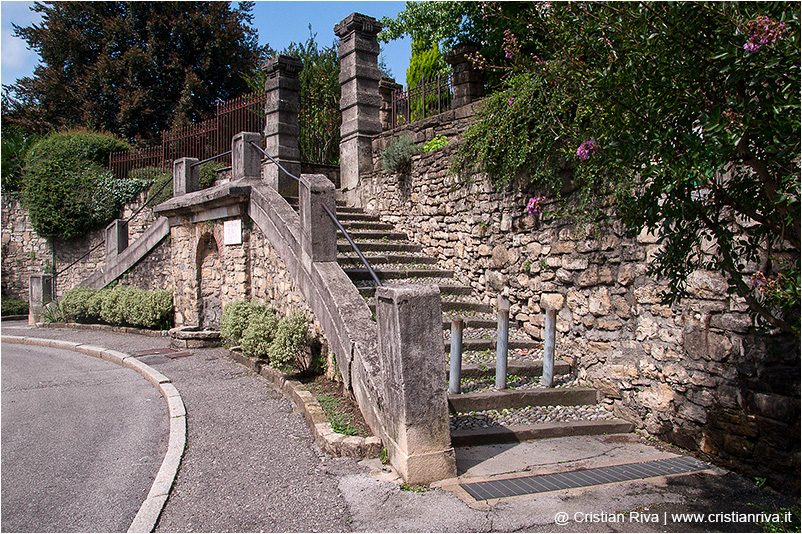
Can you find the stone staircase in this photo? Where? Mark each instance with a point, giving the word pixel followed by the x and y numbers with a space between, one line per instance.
pixel 481 414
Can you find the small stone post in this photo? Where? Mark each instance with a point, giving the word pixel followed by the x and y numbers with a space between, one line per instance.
pixel 246 160
pixel 281 123
pixel 318 232
pixel 455 369
pixel 387 87
pixel 410 328
pixel 40 292
pixel 466 80
pixel 116 238
pixel 502 342
pixel 552 303
pixel 186 176
pixel 359 99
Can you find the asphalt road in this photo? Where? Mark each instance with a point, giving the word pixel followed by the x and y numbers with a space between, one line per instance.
pixel 82 440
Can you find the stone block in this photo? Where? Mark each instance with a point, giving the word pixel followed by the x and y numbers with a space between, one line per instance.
pixel 552 301
pixel 318 232
pixel 246 159
pixel 186 176
pixel 409 325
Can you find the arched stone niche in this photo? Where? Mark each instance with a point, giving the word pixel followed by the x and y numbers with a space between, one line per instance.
pixel 209 276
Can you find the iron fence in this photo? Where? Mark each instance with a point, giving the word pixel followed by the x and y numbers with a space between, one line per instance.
pixel 200 141
pixel 431 97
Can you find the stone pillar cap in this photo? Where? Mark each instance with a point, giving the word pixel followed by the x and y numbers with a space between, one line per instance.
pixel 459 53
pixel 357 22
pixel 286 64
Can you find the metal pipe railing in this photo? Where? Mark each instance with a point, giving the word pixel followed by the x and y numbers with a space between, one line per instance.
pixel 330 214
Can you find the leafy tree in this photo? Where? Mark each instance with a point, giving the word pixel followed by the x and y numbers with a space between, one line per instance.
pixel 132 68
pixel 15 144
pixel 685 115
pixel 319 116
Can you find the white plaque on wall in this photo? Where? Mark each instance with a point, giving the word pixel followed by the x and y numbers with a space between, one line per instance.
pixel 232 232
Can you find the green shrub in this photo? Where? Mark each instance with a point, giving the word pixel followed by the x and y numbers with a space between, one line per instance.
pixel 208 174
pixel 129 306
pixel 66 188
pixel 161 185
pixel 258 334
pixel 236 317
pixel 397 156
pixel 288 348
pixel 436 143
pixel 81 305
pixel 13 307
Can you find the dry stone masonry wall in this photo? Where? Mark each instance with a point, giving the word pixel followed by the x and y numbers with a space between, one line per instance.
pixel 691 373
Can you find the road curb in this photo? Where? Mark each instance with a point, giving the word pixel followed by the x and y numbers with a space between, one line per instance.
pixel 151 508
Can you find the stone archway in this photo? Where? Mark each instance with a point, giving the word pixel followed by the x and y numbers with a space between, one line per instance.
pixel 210 281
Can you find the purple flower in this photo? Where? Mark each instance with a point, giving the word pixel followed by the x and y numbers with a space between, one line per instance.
pixel 587 149
pixel 763 31
pixel 510 101
pixel 534 205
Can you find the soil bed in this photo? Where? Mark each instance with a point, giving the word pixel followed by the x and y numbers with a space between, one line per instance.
pixel 335 402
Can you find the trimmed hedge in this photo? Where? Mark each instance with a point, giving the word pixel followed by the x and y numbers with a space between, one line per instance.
pixel 66 187
pixel 120 306
pixel 13 307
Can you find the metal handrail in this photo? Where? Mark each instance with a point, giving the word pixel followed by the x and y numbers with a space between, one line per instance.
pixel 207 160
pixel 330 214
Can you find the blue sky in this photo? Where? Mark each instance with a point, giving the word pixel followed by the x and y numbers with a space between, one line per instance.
pixel 278 24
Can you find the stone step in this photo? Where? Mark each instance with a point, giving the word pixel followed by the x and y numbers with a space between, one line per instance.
pixel 375 260
pixel 380 246
pixel 518 433
pixel 342 208
pixel 365 225
pixel 451 306
pixel 374 235
pixel 469 322
pixel 519 368
pixel 445 289
pixel 485 344
pixel 353 217
pixel 388 274
pixel 519 398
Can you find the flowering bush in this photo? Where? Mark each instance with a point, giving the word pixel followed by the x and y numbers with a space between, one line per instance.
pixel 679 104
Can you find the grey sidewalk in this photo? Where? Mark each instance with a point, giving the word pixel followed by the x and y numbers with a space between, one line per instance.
pixel 250 465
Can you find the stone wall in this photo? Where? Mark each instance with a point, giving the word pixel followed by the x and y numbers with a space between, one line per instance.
pixel 24 252
pixel 691 374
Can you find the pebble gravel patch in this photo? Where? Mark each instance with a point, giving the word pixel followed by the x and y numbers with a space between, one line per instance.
pixel 530 415
pixel 480 385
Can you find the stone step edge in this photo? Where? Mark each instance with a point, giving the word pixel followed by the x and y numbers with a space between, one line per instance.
pixel 520 433
pixel 473 370
pixel 484 344
pixel 328 440
pixel 521 398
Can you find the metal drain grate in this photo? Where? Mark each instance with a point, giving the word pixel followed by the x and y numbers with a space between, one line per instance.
pixel 511 487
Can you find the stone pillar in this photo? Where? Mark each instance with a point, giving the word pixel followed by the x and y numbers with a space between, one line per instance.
pixel 40 292
pixel 387 87
pixel 281 123
pixel 116 238
pixel 186 176
pixel 467 81
pixel 410 328
pixel 359 99
pixel 318 232
pixel 246 160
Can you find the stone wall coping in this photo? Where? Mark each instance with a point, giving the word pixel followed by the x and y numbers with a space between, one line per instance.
pixel 227 194
pixel 326 438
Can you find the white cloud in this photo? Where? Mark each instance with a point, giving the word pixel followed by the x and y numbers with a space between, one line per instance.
pixel 16 61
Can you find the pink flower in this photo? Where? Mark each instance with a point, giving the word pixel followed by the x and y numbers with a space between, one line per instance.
pixel 510 101
pixel 534 206
pixel 763 31
pixel 587 149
